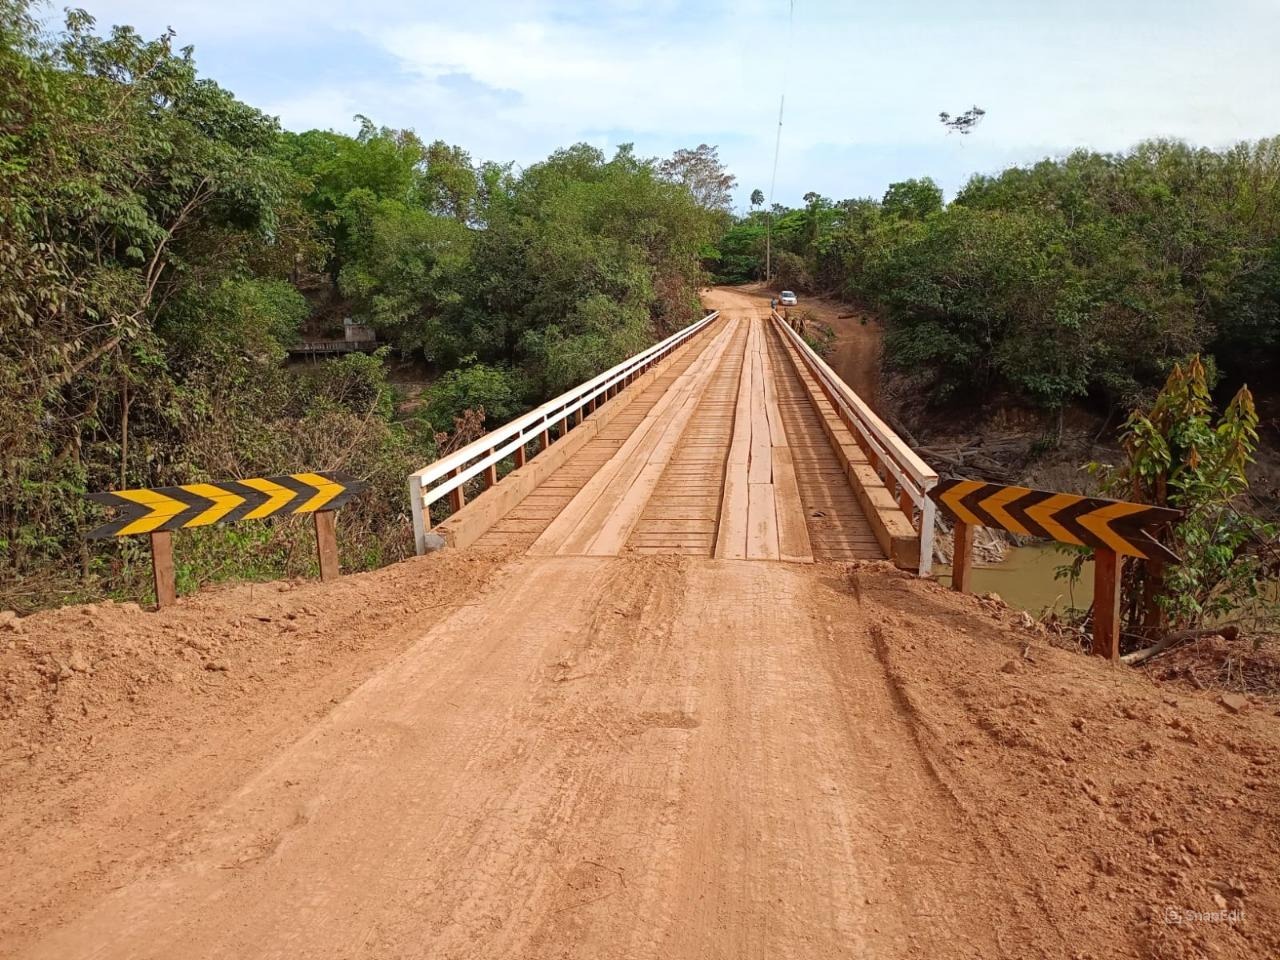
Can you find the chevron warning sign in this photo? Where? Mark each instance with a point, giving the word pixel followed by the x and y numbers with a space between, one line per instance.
pixel 201 504
pixel 1084 521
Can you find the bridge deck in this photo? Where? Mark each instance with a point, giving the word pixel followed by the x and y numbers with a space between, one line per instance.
pixel 722 455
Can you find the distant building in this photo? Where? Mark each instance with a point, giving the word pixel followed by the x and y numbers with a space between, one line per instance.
pixel 357 332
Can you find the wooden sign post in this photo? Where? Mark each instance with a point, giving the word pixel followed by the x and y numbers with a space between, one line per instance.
pixel 1113 528
pixel 162 573
pixel 158 511
pixel 327 543
pixel 961 556
pixel 1108 567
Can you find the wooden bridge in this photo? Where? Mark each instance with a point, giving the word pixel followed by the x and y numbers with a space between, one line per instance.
pixel 322 348
pixel 731 439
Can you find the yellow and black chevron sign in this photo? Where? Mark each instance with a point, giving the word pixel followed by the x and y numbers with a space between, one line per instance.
pixel 1084 521
pixel 202 504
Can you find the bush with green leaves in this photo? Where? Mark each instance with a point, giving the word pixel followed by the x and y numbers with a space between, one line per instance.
pixel 496 391
pixel 1179 454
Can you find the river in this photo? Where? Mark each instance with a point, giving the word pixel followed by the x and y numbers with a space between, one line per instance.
pixel 1025 580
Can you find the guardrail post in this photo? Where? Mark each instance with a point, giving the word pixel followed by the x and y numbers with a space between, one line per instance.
pixel 961 556
pixel 927 514
pixel 457 496
pixel 327 543
pixel 1107 571
pixel 421 516
pixel 521 456
pixel 162 574
pixel 490 472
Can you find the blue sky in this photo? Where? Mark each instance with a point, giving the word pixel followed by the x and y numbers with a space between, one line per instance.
pixel 864 82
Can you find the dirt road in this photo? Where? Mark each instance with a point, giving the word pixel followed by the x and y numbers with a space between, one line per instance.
pixel 663 760
pixel 855 351
pixel 677 758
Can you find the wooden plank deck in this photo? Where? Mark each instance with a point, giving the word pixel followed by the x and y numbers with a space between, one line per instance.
pixel 683 513
pixel 838 528
pixel 723 455
pixel 523 525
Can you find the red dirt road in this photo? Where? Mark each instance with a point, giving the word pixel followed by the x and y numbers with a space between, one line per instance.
pixel 622 757
pixel 855 351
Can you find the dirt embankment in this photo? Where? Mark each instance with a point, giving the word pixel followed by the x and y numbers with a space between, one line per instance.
pixel 119 726
pixel 1094 780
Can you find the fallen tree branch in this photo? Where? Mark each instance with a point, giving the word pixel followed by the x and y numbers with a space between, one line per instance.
pixel 1172 640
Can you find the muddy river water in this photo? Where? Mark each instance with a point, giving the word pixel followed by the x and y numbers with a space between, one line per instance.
pixel 1025 579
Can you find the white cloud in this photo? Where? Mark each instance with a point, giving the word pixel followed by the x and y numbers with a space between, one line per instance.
pixel 514 80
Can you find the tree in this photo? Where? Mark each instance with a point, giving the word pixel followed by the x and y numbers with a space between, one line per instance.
pixel 1176 455
pixel 757 199
pixel 383 162
pixel 404 270
pixel 965 122
pixel 703 175
pixel 913 199
pixel 582 258
pixel 449 184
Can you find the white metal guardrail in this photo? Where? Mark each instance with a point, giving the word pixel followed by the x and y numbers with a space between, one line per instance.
pixel 901 468
pixel 448 475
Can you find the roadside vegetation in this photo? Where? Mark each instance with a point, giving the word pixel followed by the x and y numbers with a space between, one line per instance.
pixel 162 244
pixel 1075 280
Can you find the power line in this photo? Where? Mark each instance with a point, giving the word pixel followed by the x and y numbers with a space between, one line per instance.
pixel 777 148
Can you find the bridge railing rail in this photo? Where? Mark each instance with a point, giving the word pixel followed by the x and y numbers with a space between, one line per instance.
pixel 900 467
pixel 549 422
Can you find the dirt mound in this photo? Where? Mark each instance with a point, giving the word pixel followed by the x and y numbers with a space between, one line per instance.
pixel 107 709
pixel 1141 816
pixel 70 674
pixel 1240 664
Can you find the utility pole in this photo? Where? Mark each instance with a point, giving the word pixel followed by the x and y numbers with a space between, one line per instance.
pixel 773 186
pixel 768 246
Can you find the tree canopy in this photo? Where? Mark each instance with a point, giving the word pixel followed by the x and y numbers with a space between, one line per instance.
pixel 1081 278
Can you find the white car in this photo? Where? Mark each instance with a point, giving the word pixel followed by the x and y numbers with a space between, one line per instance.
pixel 787 299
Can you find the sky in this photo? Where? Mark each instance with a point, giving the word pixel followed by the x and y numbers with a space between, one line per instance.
pixel 513 80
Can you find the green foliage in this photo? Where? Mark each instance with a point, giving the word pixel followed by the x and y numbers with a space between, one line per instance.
pixel 739 257
pixel 494 391
pixel 257 316
pixel 912 199
pixel 1085 277
pixel 583 258
pixel 569 266
pixel 155 233
pixel 404 271
pixel 1177 455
